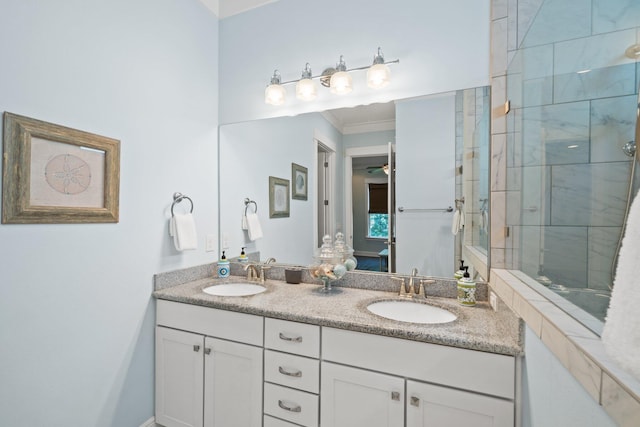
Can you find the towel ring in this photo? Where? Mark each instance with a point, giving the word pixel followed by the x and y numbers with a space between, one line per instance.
pixel 247 202
pixel 177 198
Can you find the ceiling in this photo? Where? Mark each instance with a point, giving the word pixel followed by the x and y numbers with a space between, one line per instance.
pixel 226 8
pixel 364 118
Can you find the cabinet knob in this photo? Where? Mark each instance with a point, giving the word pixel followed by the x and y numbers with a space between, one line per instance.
pixel 196 348
pixel 292 339
pixel 289 373
pixel 283 405
pixel 395 395
pixel 207 350
pixel 415 401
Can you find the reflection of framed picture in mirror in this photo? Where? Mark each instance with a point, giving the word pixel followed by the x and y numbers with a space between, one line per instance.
pixel 278 197
pixel 54 174
pixel 299 180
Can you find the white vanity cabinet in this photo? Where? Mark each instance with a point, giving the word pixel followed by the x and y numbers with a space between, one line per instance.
pixel 208 367
pixel 445 386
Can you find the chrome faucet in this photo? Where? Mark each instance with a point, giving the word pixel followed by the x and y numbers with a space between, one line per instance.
pixel 414 273
pixel 253 274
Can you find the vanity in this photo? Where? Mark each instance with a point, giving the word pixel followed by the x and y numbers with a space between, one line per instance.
pixel 292 356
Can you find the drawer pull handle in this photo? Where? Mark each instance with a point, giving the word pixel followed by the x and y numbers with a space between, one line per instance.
pixel 207 350
pixel 415 401
pixel 395 395
pixel 291 339
pixel 289 373
pixel 196 348
pixel 295 408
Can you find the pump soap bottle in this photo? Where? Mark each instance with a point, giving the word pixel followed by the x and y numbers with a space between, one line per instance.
pixel 243 256
pixel 466 289
pixel 223 266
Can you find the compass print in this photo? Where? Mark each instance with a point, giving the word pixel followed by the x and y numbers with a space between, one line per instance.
pixel 68 174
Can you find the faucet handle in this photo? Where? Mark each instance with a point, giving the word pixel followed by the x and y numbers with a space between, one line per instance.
pixel 421 292
pixel 403 291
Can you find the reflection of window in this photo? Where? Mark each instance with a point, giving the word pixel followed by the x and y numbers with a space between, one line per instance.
pixel 377 214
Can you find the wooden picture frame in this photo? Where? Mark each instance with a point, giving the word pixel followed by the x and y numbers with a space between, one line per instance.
pixel 299 178
pixel 54 174
pixel 278 197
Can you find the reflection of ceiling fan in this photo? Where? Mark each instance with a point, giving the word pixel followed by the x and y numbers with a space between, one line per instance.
pixel 377 169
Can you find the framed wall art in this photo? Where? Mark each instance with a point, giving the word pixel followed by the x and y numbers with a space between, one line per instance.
pixel 278 197
pixel 299 179
pixel 54 174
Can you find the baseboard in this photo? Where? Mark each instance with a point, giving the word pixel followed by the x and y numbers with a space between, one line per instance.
pixel 366 253
pixel 151 422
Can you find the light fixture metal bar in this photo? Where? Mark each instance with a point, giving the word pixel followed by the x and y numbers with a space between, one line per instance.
pixel 395 61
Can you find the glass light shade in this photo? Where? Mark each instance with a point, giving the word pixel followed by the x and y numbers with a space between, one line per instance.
pixel 274 94
pixel 341 83
pixel 306 90
pixel 378 76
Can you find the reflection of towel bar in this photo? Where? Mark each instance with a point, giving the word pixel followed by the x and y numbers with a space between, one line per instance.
pixel 403 209
pixel 247 202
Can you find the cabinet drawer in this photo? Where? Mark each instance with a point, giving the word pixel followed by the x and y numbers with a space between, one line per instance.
pixel 229 325
pixel 292 371
pixel 292 337
pixel 274 422
pixel 292 405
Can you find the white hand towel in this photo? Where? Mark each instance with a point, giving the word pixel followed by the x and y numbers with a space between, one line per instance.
pixel 183 229
pixel 621 334
pixel 253 227
pixel 455 225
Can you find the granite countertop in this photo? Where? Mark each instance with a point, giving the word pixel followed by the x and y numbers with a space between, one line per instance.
pixel 476 328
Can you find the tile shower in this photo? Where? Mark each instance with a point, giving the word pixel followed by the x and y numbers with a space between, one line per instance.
pixel 573 95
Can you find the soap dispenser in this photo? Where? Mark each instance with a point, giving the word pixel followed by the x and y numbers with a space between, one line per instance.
pixel 466 289
pixel 223 266
pixel 243 256
pixel 460 273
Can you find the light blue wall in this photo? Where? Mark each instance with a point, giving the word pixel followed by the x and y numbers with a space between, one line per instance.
pixel 76 313
pixel 442 46
pixel 551 396
pixel 369 139
pixel 250 153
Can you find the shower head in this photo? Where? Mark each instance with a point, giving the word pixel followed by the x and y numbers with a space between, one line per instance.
pixel 629 148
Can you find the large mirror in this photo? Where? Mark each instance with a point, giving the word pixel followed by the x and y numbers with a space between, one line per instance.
pixel 388 176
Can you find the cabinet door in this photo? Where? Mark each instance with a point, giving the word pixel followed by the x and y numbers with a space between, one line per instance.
pixel 179 378
pixel 353 397
pixel 431 405
pixel 233 384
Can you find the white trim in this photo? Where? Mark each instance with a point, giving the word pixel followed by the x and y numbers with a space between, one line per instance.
pixel 151 422
pixel 367 127
pixel 328 145
pixel 367 253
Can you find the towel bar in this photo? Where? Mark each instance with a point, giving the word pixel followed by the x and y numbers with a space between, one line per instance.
pixel 177 198
pixel 403 209
pixel 247 202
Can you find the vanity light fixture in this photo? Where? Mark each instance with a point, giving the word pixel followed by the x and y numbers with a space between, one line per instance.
pixel 275 94
pixel 379 74
pixel 339 80
pixel 306 88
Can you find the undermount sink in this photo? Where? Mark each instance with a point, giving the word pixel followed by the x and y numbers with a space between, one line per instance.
pixel 411 311
pixel 234 289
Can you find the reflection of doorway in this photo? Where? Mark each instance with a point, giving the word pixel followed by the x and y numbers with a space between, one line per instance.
pixel 365 166
pixel 325 191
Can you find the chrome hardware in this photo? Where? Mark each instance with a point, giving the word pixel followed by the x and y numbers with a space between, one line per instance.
pixel 179 197
pixel 296 408
pixel 196 348
pixel 283 371
pixel 207 350
pixel 402 209
pixel 395 395
pixel 291 339
pixel 415 401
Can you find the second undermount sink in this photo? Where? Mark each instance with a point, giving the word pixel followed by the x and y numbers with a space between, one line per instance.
pixel 411 311
pixel 234 289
